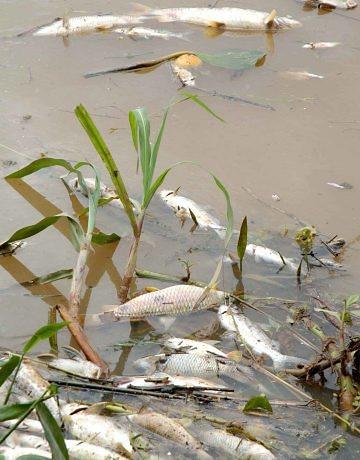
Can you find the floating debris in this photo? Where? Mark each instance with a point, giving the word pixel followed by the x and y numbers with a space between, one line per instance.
pixel 193 347
pixel 227 18
pixel 320 45
pixel 147 33
pixel 255 338
pixel 185 76
pixel 275 197
pixel 81 25
pixel 173 300
pixel 342 186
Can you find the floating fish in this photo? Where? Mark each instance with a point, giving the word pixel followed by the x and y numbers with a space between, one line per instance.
pixel 262 254
pixel 22 439
pixel 239 448
pixel 29 425
pixel 173 300
pixel 182 206
pixel 105 192
pixel 227 18
pixel 342 186
pixel 82 24
pixel 78 365
pixel 185 76
pixel 164 426
pixel 193 347
pixel 161 380
pixel 31 384
pixel 320 45
pixel 331 4
pixel 14 453
pixel 146 33
pixel 255 338
pixel 301 75
pixel 204 367
pixel 100 430
pixel 81 450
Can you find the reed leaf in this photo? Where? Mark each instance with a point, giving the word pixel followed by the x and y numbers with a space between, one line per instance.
pixel 242 241
pixel 8 367
pixel 42 334
pixel 108 160
pixel 197 100
pixel 52 433
pixel 13 411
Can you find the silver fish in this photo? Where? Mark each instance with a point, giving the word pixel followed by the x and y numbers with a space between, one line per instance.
pixel 31 384
pixel 161 380
pixel 228 18
pixel 319 45
pixel 301 75
pixel 28 425
pixel 255 338
pixel 193 347
pixel 81 450
pixel 173 300
pixel 82 367
pixel 22 439
pixel 331 4
pixel 100 430
pixel 204 367
pixel 240 448
pixel 262 254
pixel 146 33
pixel 164 426
pixel 182 205
pixel 16 452
pixel 82 24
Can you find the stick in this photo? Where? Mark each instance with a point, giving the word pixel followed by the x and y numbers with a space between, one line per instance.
pixel 81 339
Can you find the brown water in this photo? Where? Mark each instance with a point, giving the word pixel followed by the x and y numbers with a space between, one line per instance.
pixel 311 138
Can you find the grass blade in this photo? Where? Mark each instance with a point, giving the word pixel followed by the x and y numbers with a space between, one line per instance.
pixel 42 334
pixel 39 164
pixel 155 149
pixel 50 277
pixel 199 102
pixel 229 211
pixel 52 432
pixel 14 411
pixel 105 155
pixel 7 369
pixel 154 187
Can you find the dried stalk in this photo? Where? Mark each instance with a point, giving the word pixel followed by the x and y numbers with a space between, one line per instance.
pixel 80 337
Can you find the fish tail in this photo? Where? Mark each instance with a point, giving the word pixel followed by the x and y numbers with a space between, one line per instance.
pixel 286 23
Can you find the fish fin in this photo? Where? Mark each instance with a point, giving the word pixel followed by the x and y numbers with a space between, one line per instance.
pixel 216 24
pixel 46 357
pixel 144 409
pixel 151 289
pixel 103 28
pixel 270 19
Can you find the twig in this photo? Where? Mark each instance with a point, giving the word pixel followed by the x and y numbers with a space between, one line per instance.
pixel 81 339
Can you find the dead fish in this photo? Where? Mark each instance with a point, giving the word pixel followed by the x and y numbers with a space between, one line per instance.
pixel 14 453
pixel 343 186
pixel 185 76
pixel 164 426
pixel 81 450
pixel 29 425
pixel 30 383
pixel 204 367
pixel 82 24
pixel 227 18
pixel 339 4
pixel 240 448
pixel 262 254
pixel 22 439
pixel 173 300
pixel 146 33
pixel 255 338
pixel 182 206
pixel 161 380
pixel 320 45
pixel 193 347
pixel 100 430
pixel 79 365
pixel 300 75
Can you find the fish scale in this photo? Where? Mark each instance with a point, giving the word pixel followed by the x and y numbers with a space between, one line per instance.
pixel 173 300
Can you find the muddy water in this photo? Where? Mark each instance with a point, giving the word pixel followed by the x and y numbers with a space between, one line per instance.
pixel 309 139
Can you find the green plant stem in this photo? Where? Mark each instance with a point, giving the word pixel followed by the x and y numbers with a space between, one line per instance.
pixel 53 339
pixel 8 394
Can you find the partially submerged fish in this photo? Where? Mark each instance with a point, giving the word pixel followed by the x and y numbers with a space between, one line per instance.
pixel 240 448
pixel 164 426
pixel 331 4
pixel 161 380
pixel 78 365
pixel 173 300
pixel 319 45
pixel 81 450
pixel 255 338
pixel 227 18
pixel 29 425
pixel 262 254
pixel 193 347
pixel 146 33
pixel 82 24
pixel 185 76
pixel 301 75
pixel 182 206
pixel 100 430
pixel 19 438
pixel 9 453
